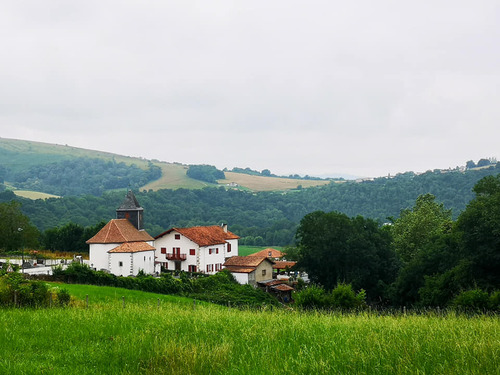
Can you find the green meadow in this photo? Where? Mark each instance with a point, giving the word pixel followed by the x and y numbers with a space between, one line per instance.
pixel 177 336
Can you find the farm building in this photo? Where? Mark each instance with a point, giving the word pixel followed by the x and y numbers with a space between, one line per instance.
pixel 250 269
pixel 196 249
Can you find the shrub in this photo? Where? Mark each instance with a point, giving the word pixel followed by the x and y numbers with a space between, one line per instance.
pixel 312 297
pixel 63 297
pixel 472 300
pixel 343 297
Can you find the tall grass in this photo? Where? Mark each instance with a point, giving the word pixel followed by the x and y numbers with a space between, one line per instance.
pixel 182 338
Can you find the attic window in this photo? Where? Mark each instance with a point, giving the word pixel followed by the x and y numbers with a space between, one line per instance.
pixel 177 236
pixel 269 253
pixel 120 264
pixel 263 272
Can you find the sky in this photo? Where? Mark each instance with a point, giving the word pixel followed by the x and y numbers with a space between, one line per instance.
pixel 320 88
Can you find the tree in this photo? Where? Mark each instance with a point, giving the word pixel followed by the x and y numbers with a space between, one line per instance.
pixel 479 226
pixel 334 249
pixel 470 164
pixel 16 231
pixel 418 226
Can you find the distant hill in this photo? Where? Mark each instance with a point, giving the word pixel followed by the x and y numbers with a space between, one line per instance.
pixel 46 168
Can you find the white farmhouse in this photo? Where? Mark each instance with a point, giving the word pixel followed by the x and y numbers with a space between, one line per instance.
pixel 196 249
pixel 122 247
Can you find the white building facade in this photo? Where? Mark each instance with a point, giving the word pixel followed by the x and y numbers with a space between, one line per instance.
pixel 196 249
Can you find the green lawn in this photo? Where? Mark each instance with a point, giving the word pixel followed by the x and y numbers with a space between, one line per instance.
pixel 179 338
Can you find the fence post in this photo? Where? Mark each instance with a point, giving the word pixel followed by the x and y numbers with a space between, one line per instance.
pixel 194 304
pixel 158 303
pixel 87 301
pixel 123 298
pixel 15 298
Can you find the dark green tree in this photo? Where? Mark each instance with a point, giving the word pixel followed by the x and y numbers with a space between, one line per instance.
pixel 16 230
pixel 334 248
pixel 479 226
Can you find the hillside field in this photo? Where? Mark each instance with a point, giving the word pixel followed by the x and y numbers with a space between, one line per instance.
pixel 179 337
pixel 21 155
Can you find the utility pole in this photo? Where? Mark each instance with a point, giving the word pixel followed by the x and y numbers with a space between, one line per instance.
pixel 20 230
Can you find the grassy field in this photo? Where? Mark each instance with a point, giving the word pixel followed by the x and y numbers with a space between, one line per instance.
pixel 261 183
pixel 177 337
pixel 33 194
pixel 21 155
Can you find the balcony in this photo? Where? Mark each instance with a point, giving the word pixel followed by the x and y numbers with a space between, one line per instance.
pixel 176 256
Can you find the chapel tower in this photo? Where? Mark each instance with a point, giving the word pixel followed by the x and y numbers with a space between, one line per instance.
pixel 131 210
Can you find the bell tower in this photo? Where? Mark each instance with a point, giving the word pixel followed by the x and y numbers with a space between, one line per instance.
pixel 131 210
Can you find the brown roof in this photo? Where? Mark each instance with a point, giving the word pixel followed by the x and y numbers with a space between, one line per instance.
pixel 248 261
pixel 204 236
pixel 282 264
pixel 269 252
pixel 240 269
pixel 283 287
pixel 120 231
pixel 132 247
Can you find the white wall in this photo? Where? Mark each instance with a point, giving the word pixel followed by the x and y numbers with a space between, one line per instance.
pixel 98 254
pixel 241 278
pixel 132 263
pixel 202 257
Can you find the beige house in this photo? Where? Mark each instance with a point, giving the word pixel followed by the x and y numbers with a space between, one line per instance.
pixel 250 269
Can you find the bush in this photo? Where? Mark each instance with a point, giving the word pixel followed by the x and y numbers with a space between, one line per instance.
pixel 63 297
pixel 475 300
pixel 344 298
pixel 312 297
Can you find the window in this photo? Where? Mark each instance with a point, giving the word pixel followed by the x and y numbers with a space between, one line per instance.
pixel 228 247
pixel 263 272
pixel 210 267
pixel 270 253
pixel 177 236
pixel 216 267
pixel 217 251
pixel 120 264
pixel 163 250
pixel 192 268
pixel 192 252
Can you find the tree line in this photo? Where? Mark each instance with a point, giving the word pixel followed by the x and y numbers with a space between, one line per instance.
pixel 423 258
pixel 266 218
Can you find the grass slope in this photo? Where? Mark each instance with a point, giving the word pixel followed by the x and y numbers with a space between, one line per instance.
pixel 179 338
pixel 21 155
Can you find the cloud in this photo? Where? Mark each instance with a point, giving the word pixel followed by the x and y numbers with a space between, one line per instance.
pixel 314 88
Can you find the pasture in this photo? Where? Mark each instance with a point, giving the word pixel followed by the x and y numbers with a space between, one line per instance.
pixel 179 337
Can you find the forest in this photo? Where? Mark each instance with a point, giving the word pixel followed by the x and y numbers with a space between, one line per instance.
pixel 80 176
pixel 265 218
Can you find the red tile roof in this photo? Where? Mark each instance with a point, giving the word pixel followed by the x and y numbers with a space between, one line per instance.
pixel 241 269
pixel 132 247
pixel 119 231
pixel 269 252
pixel 248 261
pixel 204 236
pixel 282 264
pixel 283 287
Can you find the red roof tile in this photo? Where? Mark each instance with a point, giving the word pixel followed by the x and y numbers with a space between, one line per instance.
pixel 132 247
pixel 204 236
pixel 248 261
pixel 283 287
pixel 282 264
pixel 269 252
pixel 119 231
pixel 240 269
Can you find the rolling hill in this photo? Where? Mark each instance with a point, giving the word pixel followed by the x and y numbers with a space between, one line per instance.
pixel 23 157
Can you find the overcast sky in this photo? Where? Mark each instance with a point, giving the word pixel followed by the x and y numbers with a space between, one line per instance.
pixel 363 87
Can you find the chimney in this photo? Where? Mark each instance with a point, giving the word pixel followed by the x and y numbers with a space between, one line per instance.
pixel 224 227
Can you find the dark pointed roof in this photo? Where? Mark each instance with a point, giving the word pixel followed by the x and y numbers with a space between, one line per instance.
pixel 130 202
